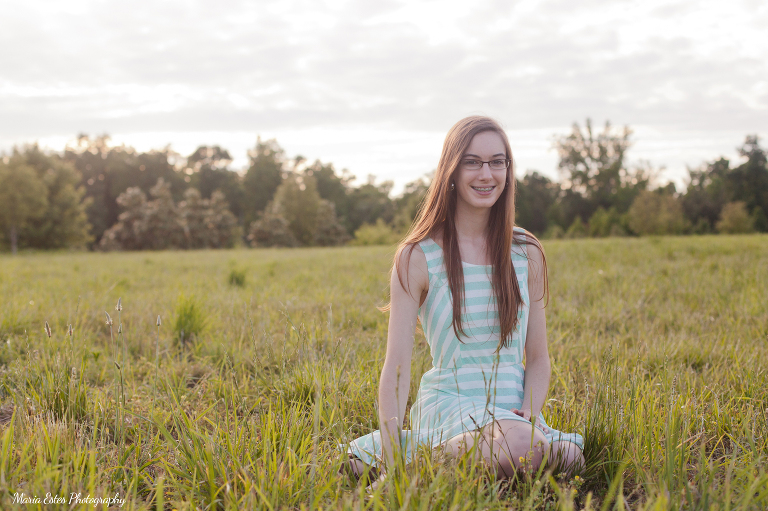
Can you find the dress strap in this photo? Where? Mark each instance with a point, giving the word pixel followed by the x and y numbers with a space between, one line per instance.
pixel 432 252
pixel 520 249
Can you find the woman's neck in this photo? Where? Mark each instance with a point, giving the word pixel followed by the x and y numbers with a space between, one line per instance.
pixel 472 223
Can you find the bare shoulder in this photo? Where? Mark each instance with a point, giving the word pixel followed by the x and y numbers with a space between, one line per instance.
pixel 410 271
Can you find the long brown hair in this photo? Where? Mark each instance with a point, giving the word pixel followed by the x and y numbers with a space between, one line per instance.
pixel 438 213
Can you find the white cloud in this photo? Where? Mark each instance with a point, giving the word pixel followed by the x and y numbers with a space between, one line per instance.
pixel 375 80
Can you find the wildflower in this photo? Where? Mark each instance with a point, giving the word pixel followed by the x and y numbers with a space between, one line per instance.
pixel 119 305
pixel 521 459
pixel 109 319
pixel 47 329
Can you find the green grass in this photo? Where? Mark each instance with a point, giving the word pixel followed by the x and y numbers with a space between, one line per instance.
pixel 659 349
pixel 237 277
pixel 190 320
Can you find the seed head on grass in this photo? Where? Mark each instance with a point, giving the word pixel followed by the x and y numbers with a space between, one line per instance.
pixel 157 363
pixel 119 305
pixel 109 318
pixel 48 330
pixel 70 331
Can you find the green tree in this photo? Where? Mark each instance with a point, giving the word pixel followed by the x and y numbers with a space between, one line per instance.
pixel 262 178
pixel 378 234
pixel 333 187
pixel 329 231
pixel 209 167
pixel 407 204
pixel 735 219
pixel 163 225
pixel 656 213
pixel 708 191
pixel 107 171
pixel 225 231
pixel 271 229
pixel 577 229
pixel 310 219
pixel 146 225
pixel 370 202
pixel 536 194
pixel 299 202
pixel 23 198
pixel 207 223
pixel 749 181
pixel 64 222
pixel 128 233
pixel 595 172
pixel 716 183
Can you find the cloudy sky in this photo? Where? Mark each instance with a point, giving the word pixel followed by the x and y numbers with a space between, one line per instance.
pixel 373 86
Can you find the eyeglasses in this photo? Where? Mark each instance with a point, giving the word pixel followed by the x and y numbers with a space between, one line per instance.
pixel 473 164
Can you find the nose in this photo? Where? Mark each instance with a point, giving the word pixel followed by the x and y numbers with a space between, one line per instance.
pixel 485 170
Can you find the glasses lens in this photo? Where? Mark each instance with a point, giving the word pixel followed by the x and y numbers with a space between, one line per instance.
pixel 470 164
pixel 498 164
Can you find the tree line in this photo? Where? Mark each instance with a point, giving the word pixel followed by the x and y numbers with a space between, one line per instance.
pixel 107 197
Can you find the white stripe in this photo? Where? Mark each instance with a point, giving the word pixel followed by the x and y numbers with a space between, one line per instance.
pixel 478 293
pixel 427 411
pixel 482 323
pixel 471 309
pixel 506 385
pixel 477 278
pixel 506 369
pixel 484 352
pixel 432 255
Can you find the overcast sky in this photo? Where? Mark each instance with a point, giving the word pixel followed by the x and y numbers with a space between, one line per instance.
pixel 373 86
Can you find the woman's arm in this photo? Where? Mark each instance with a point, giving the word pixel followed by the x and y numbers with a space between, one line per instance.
pixel 396 374
pixel 537 367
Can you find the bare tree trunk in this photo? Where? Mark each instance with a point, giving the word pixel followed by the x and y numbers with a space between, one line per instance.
pixel 14 240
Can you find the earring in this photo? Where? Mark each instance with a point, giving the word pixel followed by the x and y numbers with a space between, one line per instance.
pixel 452 186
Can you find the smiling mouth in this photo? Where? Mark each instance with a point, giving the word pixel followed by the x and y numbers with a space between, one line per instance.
pixel 483 189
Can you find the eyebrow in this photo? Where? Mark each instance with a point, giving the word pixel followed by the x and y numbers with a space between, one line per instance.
pixel 476 156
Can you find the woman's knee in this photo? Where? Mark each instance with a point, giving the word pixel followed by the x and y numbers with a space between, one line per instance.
pixel 519 448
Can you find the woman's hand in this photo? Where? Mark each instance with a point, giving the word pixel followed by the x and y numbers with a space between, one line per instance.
pixel 525 413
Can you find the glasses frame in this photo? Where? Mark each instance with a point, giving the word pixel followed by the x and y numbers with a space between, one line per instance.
pixel 506 160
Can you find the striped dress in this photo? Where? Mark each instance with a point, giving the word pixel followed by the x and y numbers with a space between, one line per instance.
pixel 469 384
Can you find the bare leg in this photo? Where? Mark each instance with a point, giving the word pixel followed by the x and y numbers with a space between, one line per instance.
pixel 502 444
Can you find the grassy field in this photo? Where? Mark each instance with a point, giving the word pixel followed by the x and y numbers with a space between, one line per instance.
pixel 659 349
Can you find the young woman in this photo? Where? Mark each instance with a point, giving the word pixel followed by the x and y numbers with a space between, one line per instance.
pixel 469 275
